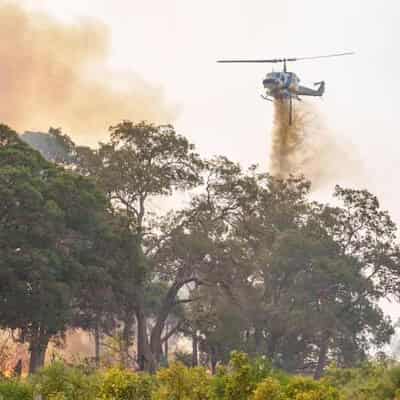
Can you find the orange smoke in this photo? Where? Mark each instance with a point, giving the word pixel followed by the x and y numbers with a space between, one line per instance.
pixel 47 72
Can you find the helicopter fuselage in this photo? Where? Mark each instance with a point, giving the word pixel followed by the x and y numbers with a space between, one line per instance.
pixel 281 85
pixel 286 85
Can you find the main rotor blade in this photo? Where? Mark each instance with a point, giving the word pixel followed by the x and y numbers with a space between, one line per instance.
pixel 275 60
pixel 349 53
pixel 281 60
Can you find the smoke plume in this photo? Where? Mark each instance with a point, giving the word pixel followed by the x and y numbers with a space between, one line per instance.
pixel 54 74
pixel 306 147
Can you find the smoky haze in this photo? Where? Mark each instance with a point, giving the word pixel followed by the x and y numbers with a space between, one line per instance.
pixel 54 74
pixel 307 147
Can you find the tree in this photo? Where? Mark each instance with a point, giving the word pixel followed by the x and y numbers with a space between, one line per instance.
pixel 139 163
pixel 48 220
pixel 315 293
pixel 366 235
pixel 96 305
pixel 303 296
pixel 53 145
pixel 251 263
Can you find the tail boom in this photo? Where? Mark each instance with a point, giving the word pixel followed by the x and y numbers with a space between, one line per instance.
pixel 305 91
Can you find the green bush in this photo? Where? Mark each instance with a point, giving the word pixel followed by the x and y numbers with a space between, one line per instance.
pixel 242 379
pixel 183 357
pixel 117 384
pixel 300 388
pixel 239 380
pixel 11 389
pixel 370 381
pixel 269 389
pixel 295 388
pixel 60 382
pixel 219 383
pixel 181 383
pixel 339 377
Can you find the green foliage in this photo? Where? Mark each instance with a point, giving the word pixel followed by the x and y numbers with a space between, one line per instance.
pixel 219 383
pixel 251 264
pixel 117 384
pixel 54 145
pixel 269 389
pixel 51 220
pixel 183 357
pixel 300 388
pixel 60 382
pixel 11 389
pixel 370 381
pixel 239 380
pixel 181 383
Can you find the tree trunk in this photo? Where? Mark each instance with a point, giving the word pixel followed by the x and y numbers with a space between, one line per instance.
pixel 166 350
pixel 195 352
pixel 323 352
pixel 97 345
pixel 258 337
pixel 37 349
pixel 168 304
pixel 141 333
pixel 146 361
pixel 272 345
pixel 155 351
pixel 213 357
pixel 17 371
pixel 126 341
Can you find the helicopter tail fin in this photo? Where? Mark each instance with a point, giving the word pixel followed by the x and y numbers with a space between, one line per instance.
pixel 321 88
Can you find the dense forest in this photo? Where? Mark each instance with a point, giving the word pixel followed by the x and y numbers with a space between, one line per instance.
pixel 247 263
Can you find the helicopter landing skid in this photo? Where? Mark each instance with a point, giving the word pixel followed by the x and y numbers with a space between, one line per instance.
pixel 266 98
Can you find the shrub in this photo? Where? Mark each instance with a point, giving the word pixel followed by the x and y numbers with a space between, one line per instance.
pixel 11 389
pixel 269 389
pixel 242 377
pixel 339 377
pixel 239 385
pixel 117 384
pixel 300 388
pixel 181 383
pixel 60 382
pixel 219 383
pixel 370 381
pixel 183 357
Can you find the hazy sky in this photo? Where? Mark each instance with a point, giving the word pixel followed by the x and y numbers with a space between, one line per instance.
pixel 174 44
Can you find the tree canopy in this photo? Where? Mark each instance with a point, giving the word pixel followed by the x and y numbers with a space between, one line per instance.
pixel 249 263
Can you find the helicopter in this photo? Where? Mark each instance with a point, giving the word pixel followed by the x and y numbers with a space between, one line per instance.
pixel 285 85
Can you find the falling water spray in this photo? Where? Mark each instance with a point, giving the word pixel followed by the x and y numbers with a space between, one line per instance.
pixel 306 147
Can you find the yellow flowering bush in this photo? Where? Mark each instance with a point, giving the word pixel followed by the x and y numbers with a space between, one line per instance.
pixel 60 382
pixel 269 389
pixel 300 388
pixel 181 383
pixel 118 384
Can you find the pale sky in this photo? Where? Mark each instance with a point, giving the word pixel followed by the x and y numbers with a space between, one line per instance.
pixel 174 44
